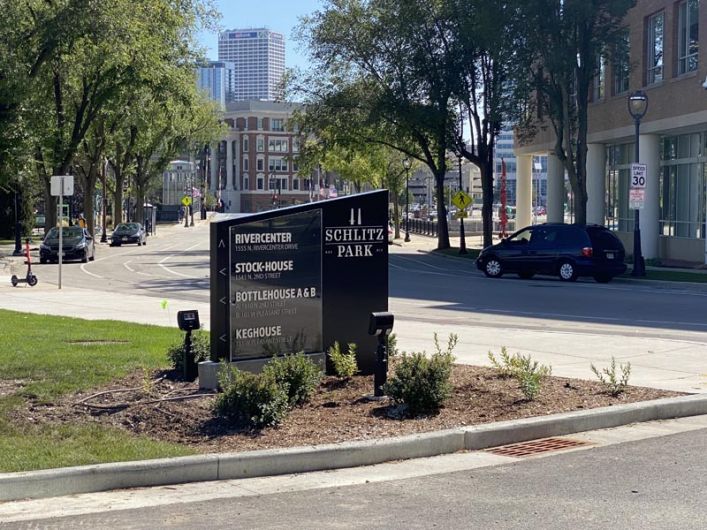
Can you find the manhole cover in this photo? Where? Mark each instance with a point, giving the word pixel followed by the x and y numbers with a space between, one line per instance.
pixel 536 447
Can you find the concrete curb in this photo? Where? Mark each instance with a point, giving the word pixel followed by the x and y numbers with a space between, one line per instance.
pixel 199 468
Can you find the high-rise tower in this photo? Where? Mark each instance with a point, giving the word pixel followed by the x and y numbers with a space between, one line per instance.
pixel 258 56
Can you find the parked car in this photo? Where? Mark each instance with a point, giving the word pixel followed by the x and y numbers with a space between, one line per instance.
pixel 128 233
pixel 557 249
pixel 77 243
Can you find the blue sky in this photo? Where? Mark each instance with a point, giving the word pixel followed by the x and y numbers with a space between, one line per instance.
pixel 278 15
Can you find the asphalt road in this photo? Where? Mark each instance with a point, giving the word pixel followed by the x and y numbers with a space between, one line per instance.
pixel 177 264
pixel 655 483
pixel 659 327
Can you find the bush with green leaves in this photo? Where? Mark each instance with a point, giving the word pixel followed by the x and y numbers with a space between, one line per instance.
pixel 508 365
pixel 422 382
pixel 200 348
pixel 251 400
pixel 392 346
pixel 344 363
pixel 297 373
pixel 614 384
pixel 524 369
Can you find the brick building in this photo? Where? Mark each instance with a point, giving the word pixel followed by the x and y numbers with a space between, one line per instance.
pixel 666 59
pixel 255 166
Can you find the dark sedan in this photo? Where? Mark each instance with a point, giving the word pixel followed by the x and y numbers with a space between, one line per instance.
pixel 128 233
pixel 77 243
pixel 567 251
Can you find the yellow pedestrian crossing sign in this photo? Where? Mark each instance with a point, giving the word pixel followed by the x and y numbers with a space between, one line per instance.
pixel 186 200
pixel 461 214
pixel 461 200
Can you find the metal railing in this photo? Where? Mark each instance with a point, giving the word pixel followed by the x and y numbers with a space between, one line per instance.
pixel 471 227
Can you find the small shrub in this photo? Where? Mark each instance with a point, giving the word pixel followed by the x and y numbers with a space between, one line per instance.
pixel 529 375
pixel 421 382
pixel 253 400
pixel 344 363
pixel 614 385
pixel 508 364
pixel 297 373
pixel 392 346
pixel 524 369
pixel 200 347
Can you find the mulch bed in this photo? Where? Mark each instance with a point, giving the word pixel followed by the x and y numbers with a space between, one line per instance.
pixel 337 412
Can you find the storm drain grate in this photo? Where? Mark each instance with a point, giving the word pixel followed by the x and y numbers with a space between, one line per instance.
pixel 535 447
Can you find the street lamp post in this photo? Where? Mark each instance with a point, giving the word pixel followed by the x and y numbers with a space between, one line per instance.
pixel 406 165
pixel 637 107
pixel 462 239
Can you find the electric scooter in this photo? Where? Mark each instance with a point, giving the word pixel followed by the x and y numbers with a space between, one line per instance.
pixel 30 279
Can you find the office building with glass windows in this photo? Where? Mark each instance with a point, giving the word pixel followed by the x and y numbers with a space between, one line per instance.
pixel 666 59
pixel 258 57
pixel 216 79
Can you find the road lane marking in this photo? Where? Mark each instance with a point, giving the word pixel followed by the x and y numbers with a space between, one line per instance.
pixel 161 264
pixel 128 266
pixel 83 268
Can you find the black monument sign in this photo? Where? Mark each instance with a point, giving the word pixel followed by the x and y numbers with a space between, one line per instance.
pixel 299 279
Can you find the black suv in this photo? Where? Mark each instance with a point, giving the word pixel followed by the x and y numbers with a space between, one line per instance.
pixel 567 251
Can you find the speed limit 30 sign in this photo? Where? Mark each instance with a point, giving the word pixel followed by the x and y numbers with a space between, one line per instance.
pixel 638 176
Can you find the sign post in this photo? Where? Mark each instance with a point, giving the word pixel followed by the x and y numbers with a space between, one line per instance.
pixel 637 193
pixel 298 279
pixel 61 185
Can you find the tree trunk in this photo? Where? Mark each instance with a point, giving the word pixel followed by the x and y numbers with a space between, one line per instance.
pixel 486 171
pixel 139 204
pixel 442 226
pixel 89 184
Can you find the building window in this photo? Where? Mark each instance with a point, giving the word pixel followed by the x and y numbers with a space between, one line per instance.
pixel 261 183
pixel 260 124
pixel 295 145
pixel 277 164
pixel 260 144
pixel 654 64
pixel 295 184
pixel 246 182
pixel 277 145
pixel 682 185
pixel 599 80
pixel 621 62
pixel 618 216
pixel 688 33
pixel 277 124
pixel 245 144
pixel 260 164
pixel 245 163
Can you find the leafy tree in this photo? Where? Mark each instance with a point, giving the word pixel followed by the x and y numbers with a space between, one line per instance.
pixel 383 78
pixel 72 63
pixel 567 39
pixel 487 44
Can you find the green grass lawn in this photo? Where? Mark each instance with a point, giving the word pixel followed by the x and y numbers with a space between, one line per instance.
pixel 52 356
